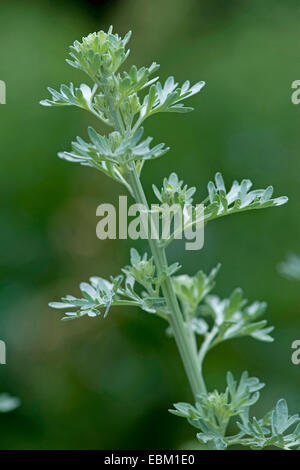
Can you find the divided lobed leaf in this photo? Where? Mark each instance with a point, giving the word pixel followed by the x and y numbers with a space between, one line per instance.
pixel 239 198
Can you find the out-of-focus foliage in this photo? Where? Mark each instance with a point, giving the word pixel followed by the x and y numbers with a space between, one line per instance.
pixel 244 124
pixel 8 403
pixel 290 267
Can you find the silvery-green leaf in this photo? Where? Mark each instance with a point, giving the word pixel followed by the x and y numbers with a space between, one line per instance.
pixel 238 198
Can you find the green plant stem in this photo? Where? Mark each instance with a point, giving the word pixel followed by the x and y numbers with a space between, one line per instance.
pixel 180 331
pixel 206 345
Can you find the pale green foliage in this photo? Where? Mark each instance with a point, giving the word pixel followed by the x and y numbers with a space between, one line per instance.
pixel 272 430
pixel 99 54
pixel 173 191
pixel 214 412
pixel 197 320
pixel 99 295
pixel 218 203
pixel 191 290
pixel 112 153
pixel 8 403
pixel 233 317
pixel 238 198
pixel 290 268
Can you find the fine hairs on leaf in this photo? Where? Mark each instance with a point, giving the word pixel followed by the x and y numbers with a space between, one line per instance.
pixel 196 318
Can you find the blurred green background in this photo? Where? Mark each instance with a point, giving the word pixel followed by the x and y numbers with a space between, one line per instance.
pixel 95 384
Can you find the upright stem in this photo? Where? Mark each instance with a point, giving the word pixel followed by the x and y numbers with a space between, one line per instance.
pixel 206 345
pixel 181 334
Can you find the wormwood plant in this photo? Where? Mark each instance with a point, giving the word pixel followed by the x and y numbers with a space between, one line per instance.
pixel 196 319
